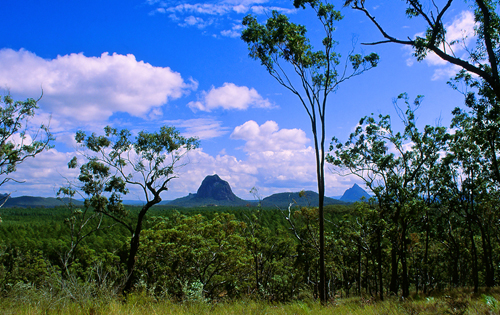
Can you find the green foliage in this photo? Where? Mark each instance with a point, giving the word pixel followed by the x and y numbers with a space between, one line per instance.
pixel 116 161
pixel 401 169
pixel 491 302
pixel 281 40
pixel 273 251
pixel 483 56
pixel 279 44
pixel 249 252
pixel 16 266
pixel 192 250
pixel 14 117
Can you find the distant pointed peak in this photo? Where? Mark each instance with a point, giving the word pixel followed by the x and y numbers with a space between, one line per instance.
pixel 355 193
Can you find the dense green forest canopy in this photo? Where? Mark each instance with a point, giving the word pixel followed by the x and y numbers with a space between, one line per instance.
pixel 235 252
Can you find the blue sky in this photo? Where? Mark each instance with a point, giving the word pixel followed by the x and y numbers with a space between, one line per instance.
pixel 140 64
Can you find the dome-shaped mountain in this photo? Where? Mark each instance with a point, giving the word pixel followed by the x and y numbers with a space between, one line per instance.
pixel 213 191
pixel 213 187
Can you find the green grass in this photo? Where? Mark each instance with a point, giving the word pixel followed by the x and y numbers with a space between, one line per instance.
pixel 455 303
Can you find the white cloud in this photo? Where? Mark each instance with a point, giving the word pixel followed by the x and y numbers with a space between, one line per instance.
pixel 459 33
pixel 280 157
pixel 276 160
pixel 268 137
pixel 42 175
pixel 191 20
pixel 91 88
pixel 196 21
pixel 230 96
pixel 200 8
pixel 220 12
pixel 230 33
pixel 259 9
pixel 241 9
pixel 445 73
pixel 233 32
pixel 202 128
pixel 245 2
pixel 462 28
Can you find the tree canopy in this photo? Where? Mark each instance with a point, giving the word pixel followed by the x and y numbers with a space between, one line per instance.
pixel 314 75
pixel 116 161
pixel 18 140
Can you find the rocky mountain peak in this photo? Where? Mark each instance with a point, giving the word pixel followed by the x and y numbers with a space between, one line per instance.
pixel 355 193
pixel 215 188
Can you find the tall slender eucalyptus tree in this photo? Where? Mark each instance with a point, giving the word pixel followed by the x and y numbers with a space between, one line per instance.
pixel 312 77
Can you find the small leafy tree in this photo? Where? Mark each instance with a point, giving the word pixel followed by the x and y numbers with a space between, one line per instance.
pixel 317 73
pixel 480 63
pixel 116 161
pixel 16 142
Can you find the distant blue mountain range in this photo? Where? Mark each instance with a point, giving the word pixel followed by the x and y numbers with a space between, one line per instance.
pixel 212 192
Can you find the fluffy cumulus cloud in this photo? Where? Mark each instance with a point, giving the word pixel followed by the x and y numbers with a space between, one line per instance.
pixel 233 32
pixel 268 137
pixel 91 88
pixel 283 159
pixel 229 96
pixel 196 21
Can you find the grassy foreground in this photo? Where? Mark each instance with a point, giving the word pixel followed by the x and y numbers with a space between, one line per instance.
pixel 455 303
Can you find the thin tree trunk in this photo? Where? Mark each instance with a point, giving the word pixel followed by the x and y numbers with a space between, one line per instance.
pixel 394 269
pixel 487 257
pixel 134 247
pixel 475 274
pixel 426 253
pixel 321 192
pixel 359 271
pixel 404 263
pixel 134 244
pixel 379 258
